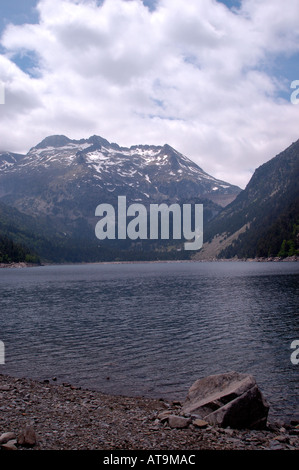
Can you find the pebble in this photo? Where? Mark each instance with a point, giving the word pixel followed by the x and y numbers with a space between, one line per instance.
pixel 178 421
pixel 7 436
pixel 10 445
pixel 27 437
pixel 200 423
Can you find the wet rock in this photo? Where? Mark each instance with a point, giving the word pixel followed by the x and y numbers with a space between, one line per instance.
pixel 231 399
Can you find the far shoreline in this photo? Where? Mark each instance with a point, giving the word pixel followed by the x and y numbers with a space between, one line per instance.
pixel 273 259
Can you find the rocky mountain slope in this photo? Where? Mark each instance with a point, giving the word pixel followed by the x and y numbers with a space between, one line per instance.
pixel 262 217
pixel 60 168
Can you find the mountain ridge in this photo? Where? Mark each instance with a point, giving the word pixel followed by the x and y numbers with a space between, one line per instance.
pixel 141 172
pixel 61 181
pixel 246 227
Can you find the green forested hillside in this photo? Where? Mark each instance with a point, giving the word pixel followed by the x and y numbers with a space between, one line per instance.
pixel 282 238
pixel 11 252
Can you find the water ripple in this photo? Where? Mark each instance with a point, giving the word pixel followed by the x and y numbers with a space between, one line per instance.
pixel 153 328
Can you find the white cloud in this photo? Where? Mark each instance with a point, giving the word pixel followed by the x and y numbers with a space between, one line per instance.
pixel 192 74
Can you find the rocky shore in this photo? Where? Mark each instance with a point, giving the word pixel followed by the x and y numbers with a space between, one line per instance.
pixel 20 264
pixel 269 259
pixel 50 416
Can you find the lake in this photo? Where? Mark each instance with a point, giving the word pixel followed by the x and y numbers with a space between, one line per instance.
pixel 152 329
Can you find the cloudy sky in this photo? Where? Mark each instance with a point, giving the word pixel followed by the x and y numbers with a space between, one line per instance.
pixel 211 78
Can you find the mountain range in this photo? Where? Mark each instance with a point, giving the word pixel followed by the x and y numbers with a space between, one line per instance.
pixel 48 199
pixel 56 187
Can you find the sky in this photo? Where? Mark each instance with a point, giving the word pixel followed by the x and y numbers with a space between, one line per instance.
pixel 211 78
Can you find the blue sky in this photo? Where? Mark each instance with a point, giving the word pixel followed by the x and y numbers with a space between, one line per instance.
pixel 17 12
pixel 211 78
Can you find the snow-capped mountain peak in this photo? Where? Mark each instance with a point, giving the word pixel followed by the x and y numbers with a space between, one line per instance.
pixel 60 174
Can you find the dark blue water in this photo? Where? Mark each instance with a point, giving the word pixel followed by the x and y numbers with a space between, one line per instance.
pixel 154 328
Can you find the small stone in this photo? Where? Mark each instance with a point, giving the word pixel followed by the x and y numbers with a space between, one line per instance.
pixel 281 438
pixel 229 431
pixel 7 436
pixel 10 445
pixel 27 437
pixel 176 403
pixel 295 420
pixel 200 423
pixel 164 415
pixel 294 432
pixel 175 421
pixel 275 445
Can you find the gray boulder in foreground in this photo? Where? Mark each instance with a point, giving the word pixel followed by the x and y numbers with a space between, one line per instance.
pixel 230 399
